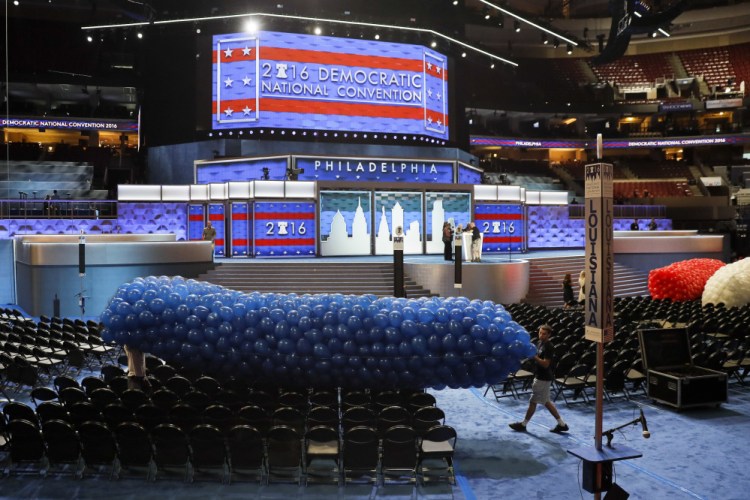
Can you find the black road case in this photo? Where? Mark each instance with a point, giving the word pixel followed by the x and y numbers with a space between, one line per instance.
pixel 672 378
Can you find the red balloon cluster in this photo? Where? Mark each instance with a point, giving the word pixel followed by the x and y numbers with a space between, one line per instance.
pixel 683 280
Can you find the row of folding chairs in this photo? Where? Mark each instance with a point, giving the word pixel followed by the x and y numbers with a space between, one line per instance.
pixel 282 454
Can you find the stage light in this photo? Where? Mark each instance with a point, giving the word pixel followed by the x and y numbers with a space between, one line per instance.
pixel 492 65
pixel 637 14
pixel 653 34
pixel 377 36
pixel 545 40
pixel 139 35
pixel 455 2
pixel 555 43
pixel 16 2
pixel 463 54
pixel 517 26
pixel 252 25
pixel 317 30
pixel 500 21
pixel 89 39
pixel 433 44
pixel 198 30
pixel 486 12
pixel 570 49
pixel 664 32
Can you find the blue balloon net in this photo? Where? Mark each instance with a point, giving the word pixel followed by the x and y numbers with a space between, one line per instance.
pixel 323 340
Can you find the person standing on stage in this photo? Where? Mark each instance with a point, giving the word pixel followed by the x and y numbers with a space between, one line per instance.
pixel 544 369
pixel 634 226
pixel 652 225
pixel 476 242
pixel 447 241
pixel 209 234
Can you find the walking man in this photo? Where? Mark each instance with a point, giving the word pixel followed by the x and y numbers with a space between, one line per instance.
pixel 540 389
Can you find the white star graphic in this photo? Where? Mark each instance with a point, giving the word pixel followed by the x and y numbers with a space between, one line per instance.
pixel 438 69
pixel 438 96
pixel 246 80
pixel 246 111
pixel 246 51
pixel 228 82
pixel 439 123
pixel 228 53
pixel 429 119
pixel 228 111
pixel 429 65
pixel 429 92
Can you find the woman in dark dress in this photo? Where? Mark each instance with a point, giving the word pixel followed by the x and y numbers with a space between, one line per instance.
pixel 447 241
pixel 568 291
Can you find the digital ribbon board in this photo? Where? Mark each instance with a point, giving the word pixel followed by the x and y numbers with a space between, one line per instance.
pixel 299 81
pixel 284 229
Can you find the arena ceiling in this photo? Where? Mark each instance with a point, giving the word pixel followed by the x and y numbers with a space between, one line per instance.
pixel 64 64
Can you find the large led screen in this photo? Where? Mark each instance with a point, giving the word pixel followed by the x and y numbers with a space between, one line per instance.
pixel 503 227
pixel 284 229
pixel 296 81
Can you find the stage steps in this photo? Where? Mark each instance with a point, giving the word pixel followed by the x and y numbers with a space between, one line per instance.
pixel 311 277
pixel 546 275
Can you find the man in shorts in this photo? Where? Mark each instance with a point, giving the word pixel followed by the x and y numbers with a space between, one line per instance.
pixel 540 389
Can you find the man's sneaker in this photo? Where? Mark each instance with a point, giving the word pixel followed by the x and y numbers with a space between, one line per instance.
pixel 560 428
pixel 517 426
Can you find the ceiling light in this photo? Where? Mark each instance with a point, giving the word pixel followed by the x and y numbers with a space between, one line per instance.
pixel 377 36
pixel 252 25
pixel 517 26
pixel 530 23
pixel 433 44
pixel 317 30
pixel 89 39
pixel 545 40
pixel 139 35
pixel 463 54
pixel 664 32
pixel 311 20
pixel 570 49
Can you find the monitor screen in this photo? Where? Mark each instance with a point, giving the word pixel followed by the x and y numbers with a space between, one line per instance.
pixel 305 82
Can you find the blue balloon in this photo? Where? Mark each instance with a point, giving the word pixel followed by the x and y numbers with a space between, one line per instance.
pixel 465 343
pixel 409 328
pixel 395 318
pixel 509 335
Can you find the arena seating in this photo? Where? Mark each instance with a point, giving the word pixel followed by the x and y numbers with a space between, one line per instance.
pixel 634 72
pixel 658 189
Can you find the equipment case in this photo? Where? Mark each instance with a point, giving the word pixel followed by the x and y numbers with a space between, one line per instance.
pixel 672 378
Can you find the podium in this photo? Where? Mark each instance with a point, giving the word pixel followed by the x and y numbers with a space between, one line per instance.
pixel 605 457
